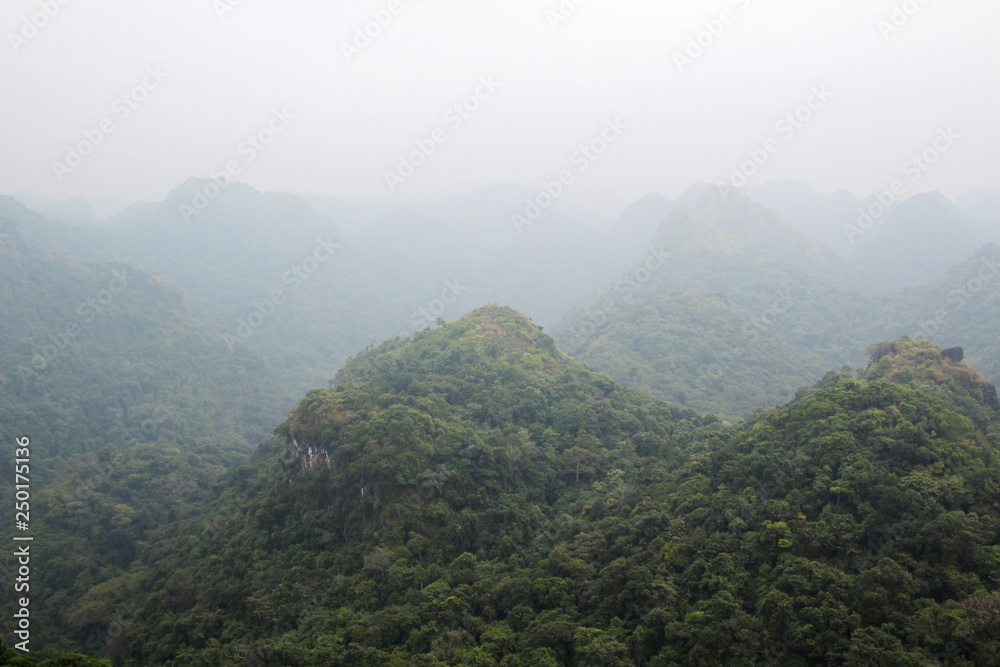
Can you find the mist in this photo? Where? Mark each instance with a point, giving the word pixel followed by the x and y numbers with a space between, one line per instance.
pixel 700 87
pixel 567 332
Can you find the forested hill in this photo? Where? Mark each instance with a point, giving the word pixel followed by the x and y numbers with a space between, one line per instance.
pixel 740 310
pixel 473 496
pixel 962 308
pixel 95 354
pixel 736 309
pixel 133 416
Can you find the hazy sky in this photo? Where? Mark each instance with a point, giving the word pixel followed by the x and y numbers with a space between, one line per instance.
pixel 224 66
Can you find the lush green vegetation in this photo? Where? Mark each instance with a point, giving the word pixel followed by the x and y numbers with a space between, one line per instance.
pixel 9 656
pixel 696 349
pixel 95 354
pixel 395 275
pixel 475 497
pixel 745 311
pixel 133 417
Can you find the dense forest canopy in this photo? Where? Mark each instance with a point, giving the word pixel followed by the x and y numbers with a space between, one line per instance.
pixel 500 334
pixel 473 496
pixel 477 492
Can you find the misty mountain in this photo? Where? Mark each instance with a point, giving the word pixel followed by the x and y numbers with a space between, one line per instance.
pixel 74 210
pixel 95 355
pixel 983 204
pixel 639 222
pixel 960 309
pixel 439 334
pixel 398 270
pixel 474 495
pixel 741 296
pixel 919 241
pixel 821 218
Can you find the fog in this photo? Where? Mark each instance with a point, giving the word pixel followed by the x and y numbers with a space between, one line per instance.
pixel 553 332
pixel 697 88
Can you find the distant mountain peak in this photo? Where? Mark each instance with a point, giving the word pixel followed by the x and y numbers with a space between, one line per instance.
pixel 494 314
pixel 724 220
pixel 720 195
pixel 193 189
pixel 694 192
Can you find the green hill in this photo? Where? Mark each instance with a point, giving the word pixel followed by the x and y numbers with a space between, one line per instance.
pixel 731 310
pixel 961 309
pixel 697 349
pixel 95 354
pixel 473 496
pixel 133 418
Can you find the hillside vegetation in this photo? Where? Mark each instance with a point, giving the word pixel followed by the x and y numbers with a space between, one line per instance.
pixel 473 496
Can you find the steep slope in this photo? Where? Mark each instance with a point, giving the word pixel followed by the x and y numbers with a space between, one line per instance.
pixel 696 349
pixel 474 444
pixel 473 496
pixel 821 218
pixel 960 309
pixel 94 354
pixel 772 316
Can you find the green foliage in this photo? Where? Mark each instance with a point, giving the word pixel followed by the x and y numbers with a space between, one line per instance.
pixel 133 418
pixel 475 496
pixel 92 355
pixel 428 510
pixel 15 658
pixel 694 348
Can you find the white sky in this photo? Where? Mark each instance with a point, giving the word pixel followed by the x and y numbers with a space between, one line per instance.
pixel 610 58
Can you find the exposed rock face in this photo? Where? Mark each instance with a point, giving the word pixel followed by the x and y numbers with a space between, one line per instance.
pixel 990 396
pixel 956 354
pixel 310 456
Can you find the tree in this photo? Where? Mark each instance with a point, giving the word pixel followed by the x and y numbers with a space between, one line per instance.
pixel 578 461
